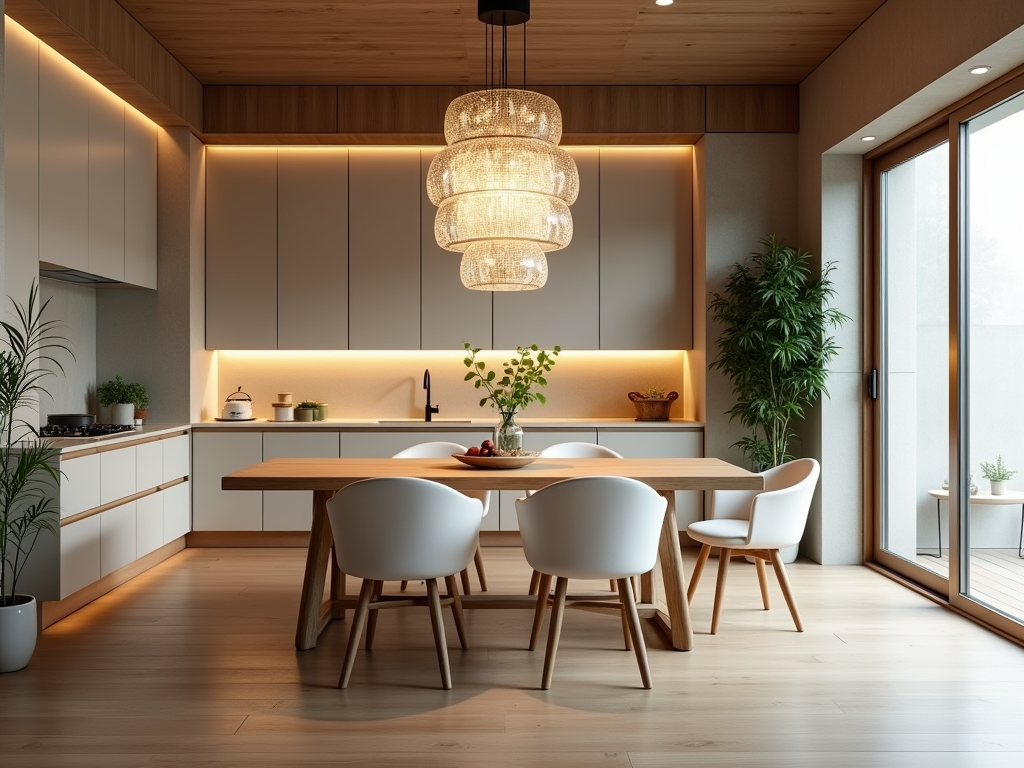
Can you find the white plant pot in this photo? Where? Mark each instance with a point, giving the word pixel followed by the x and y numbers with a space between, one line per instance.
pixel 122 413
pixel 998 487
pixel 17 633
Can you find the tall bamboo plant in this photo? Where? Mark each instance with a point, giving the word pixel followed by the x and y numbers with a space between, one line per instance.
pixel 775 345
pixel 28 466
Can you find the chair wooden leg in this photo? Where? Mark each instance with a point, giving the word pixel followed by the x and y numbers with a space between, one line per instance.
pixel 362 608
pixel 404 585
pixel 629 609
pixel 724 555
pixel 460 624
pixel 437 623
pixel 371 622
pixel 625 628
pixel 762 580
pixel 787 590
pixel 611 585
pixel 534 581
pixel 698 569
pixel 554 631
pixel 544 589
pixel 466 589
pixel 478 561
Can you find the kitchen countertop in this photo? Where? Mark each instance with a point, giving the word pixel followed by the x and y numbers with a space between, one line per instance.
pixel 72 444
pixel 449 425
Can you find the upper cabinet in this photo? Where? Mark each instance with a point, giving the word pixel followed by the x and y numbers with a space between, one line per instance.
pixel 331 248
pixel 140 147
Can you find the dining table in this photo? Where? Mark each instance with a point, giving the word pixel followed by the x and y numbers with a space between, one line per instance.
pixel 662 599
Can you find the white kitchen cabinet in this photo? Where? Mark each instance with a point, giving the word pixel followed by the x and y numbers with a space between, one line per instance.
pixel 177 512
pixel 646 226
pixel 149 465
pixel 117 474
pixel 451 314
pixel 384 248
pixel 80 484
pixel 312 249
pixel 149 523
pixel 106 183
pixel 140 161
pixel 241 248
pixel 118 534
pixel 565 311
pixel 662 444
pixel 175 458
pixel 63 162
pixel 21 160
pixel 215 454
pixel 80 554
pixel 293 510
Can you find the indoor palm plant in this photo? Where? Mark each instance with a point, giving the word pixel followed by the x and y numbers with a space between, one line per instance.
pixel 775 346
pixel 512 391
pixel 28 468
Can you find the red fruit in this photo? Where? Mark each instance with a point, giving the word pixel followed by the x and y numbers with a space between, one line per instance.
pixel 487 445
pixel 472 451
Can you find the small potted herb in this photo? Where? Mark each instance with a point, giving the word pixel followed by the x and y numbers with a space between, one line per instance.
pixel 307 410
pixel 653 404
pixel 997 474
pixel 125 399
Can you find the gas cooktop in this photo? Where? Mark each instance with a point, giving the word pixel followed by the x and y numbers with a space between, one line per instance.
pixel 84 430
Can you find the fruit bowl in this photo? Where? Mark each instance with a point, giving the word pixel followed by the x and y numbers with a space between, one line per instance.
pixel 497 462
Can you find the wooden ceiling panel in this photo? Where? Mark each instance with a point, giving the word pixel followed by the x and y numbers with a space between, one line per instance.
pixel 441 41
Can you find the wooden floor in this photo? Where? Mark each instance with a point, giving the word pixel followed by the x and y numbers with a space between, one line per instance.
pixel 997 577
pixel 192 664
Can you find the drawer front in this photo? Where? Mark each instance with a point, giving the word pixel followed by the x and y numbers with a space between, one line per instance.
pixel 177 514
pixel 80 547
pixel 175 457
pixel 79 485
pixel 118 538
pixel 117 474
pixel 149 523
pixel 149 465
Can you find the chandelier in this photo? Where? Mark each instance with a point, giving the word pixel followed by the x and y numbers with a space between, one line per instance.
pixel 502 186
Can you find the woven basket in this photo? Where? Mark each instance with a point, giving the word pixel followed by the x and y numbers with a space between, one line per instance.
pixel 652 408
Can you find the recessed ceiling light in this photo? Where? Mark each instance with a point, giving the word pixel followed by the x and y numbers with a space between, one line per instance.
pixel 979 69
pixel 867 138
pixel 663 2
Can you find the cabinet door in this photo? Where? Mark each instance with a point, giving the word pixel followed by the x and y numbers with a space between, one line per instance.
pixel 536 441
pixel 312 249
pixel 117 474
pixel 646 248
pixel 118 534
pixel 149 465
pixel 451 313
pixel 177 515
pixel 384 248
pixel 175 455
pixel 565 311
pixel 149 523
pixel 293 510
pixel 63 162
pixel 140 150
pixel 213 456
pixel 106 183
pixel 79 555
pixel 651 444
pixel 80 484
pixel 21 160
pixel 241 248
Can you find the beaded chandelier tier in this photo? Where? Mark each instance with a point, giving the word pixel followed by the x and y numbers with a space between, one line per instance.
pixel 502 186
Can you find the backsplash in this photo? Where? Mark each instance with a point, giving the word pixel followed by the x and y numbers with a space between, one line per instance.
pixel 389 384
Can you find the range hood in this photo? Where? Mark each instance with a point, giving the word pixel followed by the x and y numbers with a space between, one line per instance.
pixel 56 272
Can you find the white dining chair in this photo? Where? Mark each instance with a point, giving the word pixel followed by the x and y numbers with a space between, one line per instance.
pixel 591 528
pixel 757 524
pixel 572 450
pixel 395 528
pixel 444 450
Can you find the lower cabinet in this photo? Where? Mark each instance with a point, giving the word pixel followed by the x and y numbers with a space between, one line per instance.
pixel 293 510
pixel 80 555
pixel 215 454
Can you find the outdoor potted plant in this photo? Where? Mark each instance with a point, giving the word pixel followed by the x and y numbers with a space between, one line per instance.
pixel 307 410
pixel 997 474
pixel 653 404
pixel 512 392
pixel 28 468
pixel 123 398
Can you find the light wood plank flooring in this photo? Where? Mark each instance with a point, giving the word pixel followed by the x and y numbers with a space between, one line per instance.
pixel 192 664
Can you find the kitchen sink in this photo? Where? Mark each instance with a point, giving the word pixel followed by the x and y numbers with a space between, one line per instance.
pixel 421 421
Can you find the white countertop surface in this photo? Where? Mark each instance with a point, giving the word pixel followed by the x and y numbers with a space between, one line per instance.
pixel 71 444
pixel 448 424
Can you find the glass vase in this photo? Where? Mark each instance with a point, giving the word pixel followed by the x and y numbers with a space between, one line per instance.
pixel 508 436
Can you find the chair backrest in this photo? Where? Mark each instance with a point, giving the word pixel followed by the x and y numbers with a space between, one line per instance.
pixel 579 451
pixel 592 527
pixel 443 450
pixel 392 528
pixel 777 514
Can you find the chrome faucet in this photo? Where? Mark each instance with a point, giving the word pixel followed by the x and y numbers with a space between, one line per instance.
pixel 428 409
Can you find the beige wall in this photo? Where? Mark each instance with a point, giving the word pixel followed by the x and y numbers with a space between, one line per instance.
pixel 905 62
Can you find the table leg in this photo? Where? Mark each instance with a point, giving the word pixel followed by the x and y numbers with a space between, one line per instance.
pixel 317 557
pixel 938 529
pixel 1020 540
pixel 671 557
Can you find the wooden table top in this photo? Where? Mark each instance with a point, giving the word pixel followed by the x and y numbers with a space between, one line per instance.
pixel 333 474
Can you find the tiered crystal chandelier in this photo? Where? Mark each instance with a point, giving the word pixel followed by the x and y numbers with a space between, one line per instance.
pixel 503 187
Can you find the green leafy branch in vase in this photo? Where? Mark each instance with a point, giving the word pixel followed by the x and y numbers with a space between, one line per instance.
pixel 513 390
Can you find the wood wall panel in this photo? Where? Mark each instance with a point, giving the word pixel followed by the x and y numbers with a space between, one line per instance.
pixel 648 109
pixel 395 108
pixel 270 108
pixel 753 109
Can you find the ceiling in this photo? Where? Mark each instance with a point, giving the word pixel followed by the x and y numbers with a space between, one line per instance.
pixel 414 42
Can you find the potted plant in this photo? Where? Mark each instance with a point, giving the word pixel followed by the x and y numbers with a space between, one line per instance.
pixel 653 404
pixel 512 392
pixel 123 398
pixel 140 399
pixel 997 474
pixel 28 469
pixel 307 410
